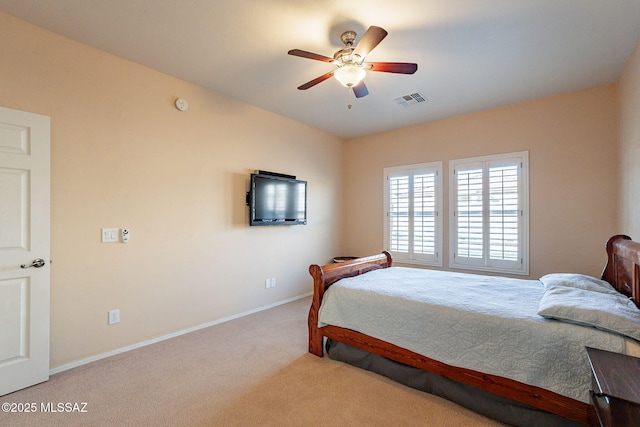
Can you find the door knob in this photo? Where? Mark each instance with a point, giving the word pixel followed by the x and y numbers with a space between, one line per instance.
pixel 37 263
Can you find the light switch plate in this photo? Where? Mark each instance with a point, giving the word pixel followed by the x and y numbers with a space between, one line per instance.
pixel 114 316
pixel 110 235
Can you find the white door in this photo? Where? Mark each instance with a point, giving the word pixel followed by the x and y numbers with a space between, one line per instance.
pixel 24 240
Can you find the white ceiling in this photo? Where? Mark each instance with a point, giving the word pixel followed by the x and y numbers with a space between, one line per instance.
pixel 471 54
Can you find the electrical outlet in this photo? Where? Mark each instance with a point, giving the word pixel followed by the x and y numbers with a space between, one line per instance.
pixel 114 316
pixel 273 282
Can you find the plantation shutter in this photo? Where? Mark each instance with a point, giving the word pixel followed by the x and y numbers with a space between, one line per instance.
pixel 489 204
pixel 424 214
pixel 399 213
pixel 470 217
pixel 503 213
pixel 413 227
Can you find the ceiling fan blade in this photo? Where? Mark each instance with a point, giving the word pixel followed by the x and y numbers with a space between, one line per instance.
pixel 392 67
pixel 370 39
pixel 360 90
pixel 316 81
pixel 309 55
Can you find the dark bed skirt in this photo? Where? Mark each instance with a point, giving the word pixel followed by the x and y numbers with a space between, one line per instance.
pixel 496 407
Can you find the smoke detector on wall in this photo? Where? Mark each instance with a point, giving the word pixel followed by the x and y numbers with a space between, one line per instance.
pixel 181 104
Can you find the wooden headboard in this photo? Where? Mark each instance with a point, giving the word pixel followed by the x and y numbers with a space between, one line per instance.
pixel 623 266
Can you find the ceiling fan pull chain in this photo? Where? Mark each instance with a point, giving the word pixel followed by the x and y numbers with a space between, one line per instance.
pixel 349 93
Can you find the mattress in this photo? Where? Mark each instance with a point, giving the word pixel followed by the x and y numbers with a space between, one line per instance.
pixel 485 323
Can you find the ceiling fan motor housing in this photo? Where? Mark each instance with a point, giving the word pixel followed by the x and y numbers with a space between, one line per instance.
pixel 345 56
pixel 348 37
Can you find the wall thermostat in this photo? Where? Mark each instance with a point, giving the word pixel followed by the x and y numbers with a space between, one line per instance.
pixel 181 104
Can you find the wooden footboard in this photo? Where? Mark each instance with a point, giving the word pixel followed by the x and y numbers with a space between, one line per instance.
pixel 325 276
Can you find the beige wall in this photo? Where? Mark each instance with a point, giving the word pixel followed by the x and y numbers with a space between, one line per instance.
pixel 571 141
pixel 629 95
pixel 123 156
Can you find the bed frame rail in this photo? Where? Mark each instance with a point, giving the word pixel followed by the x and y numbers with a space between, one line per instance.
pixel 536 397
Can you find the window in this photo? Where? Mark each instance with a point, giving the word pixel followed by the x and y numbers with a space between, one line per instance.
pixel 413 226
pixel 489 213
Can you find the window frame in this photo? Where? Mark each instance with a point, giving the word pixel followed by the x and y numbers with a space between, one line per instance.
pixel 434 260
pixel 485 263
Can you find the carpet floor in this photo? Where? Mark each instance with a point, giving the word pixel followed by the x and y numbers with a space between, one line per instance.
pixel 251 371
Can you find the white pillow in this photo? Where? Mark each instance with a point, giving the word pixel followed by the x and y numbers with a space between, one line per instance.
pixel 603 310
pixel 579 281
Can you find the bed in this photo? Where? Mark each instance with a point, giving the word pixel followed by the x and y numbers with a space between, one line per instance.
pixel 394 345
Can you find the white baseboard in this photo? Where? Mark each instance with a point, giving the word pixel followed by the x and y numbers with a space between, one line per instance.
pixel 172 335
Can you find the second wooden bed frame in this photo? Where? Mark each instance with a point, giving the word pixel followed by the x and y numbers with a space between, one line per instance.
pixel 622 271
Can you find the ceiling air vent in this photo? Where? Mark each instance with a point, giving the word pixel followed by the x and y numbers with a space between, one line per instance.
pixel 410 100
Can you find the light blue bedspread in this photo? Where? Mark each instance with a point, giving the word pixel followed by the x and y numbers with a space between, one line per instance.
pixel 488 324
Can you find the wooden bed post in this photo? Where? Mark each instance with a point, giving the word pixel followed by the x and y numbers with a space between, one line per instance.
pixel 315 337
pixel 623 266
pixel 609 273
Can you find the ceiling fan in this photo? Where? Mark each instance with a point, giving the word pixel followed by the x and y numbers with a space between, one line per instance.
pixel 350 61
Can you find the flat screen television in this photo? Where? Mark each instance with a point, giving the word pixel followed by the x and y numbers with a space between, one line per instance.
pixel 276 199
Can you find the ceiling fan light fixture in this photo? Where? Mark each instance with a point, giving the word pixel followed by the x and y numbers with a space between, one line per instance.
pixel 349 75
